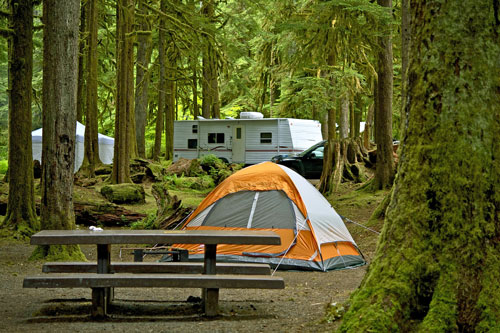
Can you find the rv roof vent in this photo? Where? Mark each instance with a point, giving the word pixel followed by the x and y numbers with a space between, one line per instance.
pixel 251 115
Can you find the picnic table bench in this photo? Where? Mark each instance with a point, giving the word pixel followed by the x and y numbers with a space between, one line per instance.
pixel 104 275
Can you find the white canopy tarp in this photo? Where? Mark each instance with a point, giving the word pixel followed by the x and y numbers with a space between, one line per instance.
pixel 106 146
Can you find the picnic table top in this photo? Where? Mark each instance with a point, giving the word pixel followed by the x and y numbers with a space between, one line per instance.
pixel 66 237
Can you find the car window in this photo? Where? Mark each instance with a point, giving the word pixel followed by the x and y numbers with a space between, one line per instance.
pixel 310 149
pixel 318 152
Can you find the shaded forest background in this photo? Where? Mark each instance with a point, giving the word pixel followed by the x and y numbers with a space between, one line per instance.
pixel 283 58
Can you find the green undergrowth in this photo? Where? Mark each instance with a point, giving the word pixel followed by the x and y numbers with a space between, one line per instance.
pixel 196 183
pixel 3 167
pixel 190 198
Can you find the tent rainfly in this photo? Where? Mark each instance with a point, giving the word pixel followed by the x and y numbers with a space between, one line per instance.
pixel 270 196
pixel 106 146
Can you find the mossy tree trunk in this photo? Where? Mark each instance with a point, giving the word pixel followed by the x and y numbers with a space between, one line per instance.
pixel 194 69
pixel 210 87
pixel 172 55
pixel 21 216
pixel 124 126
pixel 162 87
pixel 80 96
pixel 384 173
pixel 437 267
pixel 91 147
pixel 60 64
pixel 144 50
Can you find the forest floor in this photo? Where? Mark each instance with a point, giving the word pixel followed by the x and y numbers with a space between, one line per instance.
pixel 300 307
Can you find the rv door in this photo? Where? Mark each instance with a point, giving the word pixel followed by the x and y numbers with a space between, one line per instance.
pixel 239 144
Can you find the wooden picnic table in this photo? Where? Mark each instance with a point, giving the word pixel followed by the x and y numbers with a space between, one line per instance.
pixel 105 238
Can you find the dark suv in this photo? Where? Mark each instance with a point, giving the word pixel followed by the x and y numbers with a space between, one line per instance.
pixel 308 163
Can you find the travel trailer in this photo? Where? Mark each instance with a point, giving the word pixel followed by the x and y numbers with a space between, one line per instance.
pixel 250 139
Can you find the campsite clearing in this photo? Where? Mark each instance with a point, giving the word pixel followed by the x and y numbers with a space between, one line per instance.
pixel 297 308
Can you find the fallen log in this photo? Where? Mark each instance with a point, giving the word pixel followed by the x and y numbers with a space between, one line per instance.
pixel 104 214
pixel 170 211
pixel 96 214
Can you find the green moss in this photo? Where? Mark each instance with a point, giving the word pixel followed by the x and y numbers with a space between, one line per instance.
pixel 58 253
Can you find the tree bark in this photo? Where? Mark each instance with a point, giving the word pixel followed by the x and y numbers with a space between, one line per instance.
pixel 194 68
pixel 162 87
pixel 405 59
pixel 384 174
pixel 21 216
pixel 436 267
pixel 170 102
pixel 144 50
pixel 80 105
pixel 124 126
pixel 210 85
pixel 91 151
pixel 60 64
pixel 344 118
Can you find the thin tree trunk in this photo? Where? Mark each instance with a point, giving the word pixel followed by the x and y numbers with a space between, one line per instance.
pixel 384 174
pixel 170 111
pixel 196 107
pixel 344 118
pixel 80 97
pixel 436 267
pixel 171 101
pixel 368 127
pixel 144 50
pixel 91 157
pixel 210 86
pixel 161 85
pixel 123 125
pixel 21 216
pixel 405 59
pixel 326 179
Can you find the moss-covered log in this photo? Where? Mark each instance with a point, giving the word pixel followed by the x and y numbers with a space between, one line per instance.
pixel 124 193
pixel 437 264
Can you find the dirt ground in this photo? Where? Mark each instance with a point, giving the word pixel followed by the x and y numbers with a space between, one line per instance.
pixel 297 308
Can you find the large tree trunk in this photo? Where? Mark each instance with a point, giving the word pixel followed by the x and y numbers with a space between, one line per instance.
pixel 21 215
pixel 436 268
pixel 60 64
pixel 144 49
pixel 91 151
pixel 384 174
pixel 124 126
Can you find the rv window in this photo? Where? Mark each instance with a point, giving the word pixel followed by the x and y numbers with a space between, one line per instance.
pixel 195 128
pixel 192 143
pixel 238 132
pixel 266 137
pixel 215 137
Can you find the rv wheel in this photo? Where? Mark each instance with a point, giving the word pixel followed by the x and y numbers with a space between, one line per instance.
pixel 224 160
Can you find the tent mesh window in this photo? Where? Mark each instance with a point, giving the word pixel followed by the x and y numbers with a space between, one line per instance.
pixel 250 209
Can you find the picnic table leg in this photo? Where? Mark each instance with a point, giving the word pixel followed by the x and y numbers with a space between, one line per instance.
pixel 101 297
pixel 210 295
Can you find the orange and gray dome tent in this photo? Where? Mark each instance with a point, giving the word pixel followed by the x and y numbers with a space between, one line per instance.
pixel 269 196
